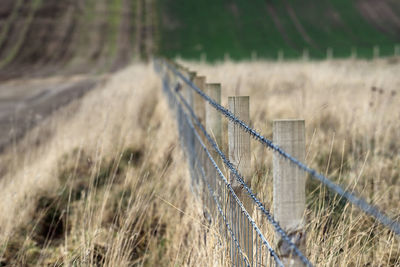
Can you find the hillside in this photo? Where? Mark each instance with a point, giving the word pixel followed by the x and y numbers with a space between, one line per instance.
pixel 263 28
pixel 107 34
pixel 73 35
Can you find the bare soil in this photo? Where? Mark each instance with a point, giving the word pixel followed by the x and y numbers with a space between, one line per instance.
pixel 25 103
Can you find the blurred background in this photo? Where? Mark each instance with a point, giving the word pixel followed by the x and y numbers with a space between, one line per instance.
pixel 106 34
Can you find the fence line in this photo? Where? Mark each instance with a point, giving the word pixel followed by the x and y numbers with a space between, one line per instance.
pixel 222 200
pixel 175 100
pixel 352 198
pixel 185 121
pixel 240 179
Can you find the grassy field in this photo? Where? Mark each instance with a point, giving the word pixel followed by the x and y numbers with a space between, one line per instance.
pixel 89 34
pixel 74 36
pixel 191 29
pixel 104 181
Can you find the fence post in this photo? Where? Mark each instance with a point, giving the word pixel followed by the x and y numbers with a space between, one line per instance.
pixel 214 128
pixel 280 55
pixel 253 55
pixel 213 117
pixel 376 52
pixel 188 95
pixel 289 186
pixel 239 140
pixel 353 52
pixel 198 101
pixel 306 54
pixel 203 57
pixel 329 53
pixel 240 156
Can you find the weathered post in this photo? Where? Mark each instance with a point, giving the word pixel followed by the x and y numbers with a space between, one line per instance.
pixel 213 117
pixel 329 53
pixel 227 57
pixel 253 55
pixel 240 156
pixel 199 110
pixel 239 140
pixel 188 96
pixel 198 101
pixel 353 52
pixel 280 55
pixel 306 54
pixel 203 57
pixel 214 128
pixel 289 186
pixel 376 52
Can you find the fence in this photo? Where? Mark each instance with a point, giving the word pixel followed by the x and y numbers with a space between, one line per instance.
pixel 229 202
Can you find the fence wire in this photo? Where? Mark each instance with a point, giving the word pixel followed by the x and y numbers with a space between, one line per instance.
pixel 369 209
pixel 223 205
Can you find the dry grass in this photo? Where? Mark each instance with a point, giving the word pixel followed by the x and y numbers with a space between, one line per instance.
pixel 92 186
pixel 104 181
pixel 351 109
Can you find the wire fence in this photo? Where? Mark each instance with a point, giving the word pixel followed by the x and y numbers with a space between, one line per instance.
pixel 248 247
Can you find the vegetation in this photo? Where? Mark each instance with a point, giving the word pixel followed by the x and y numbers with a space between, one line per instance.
pixel 105 182
pixel 267 28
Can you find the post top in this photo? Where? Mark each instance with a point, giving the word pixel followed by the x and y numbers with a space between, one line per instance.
pixel 287 120
pixel 238 96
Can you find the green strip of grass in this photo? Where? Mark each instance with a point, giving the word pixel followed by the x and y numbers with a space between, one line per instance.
pixel 15 49
pixel 10 20
pixel 190 28
pixel 114 20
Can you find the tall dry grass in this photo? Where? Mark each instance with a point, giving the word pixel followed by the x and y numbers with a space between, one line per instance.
pixel 104 181
pixel 352 113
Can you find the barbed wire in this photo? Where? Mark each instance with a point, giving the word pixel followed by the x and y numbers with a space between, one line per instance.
pixel 227 184
pixel 352 198
pixel 240 179
pixel 270 218
pixel 232 192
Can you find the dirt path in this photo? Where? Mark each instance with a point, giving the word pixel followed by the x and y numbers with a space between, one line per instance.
pixel 21 109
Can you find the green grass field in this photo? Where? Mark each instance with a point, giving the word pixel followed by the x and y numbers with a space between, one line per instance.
pixel 214 28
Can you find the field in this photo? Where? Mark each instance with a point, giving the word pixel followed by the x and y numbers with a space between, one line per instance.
pixel 267 28
pixel 104 180
pixel 97 36
pixel 91 168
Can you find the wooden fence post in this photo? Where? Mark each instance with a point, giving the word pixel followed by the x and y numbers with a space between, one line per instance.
pixel 376 52
pixel 239 140
pixel 240 156
pixel 213 117
pixel 188 96
pixel 253 55
pixel 280 55
pixel 214 128
pixel 289 186
pixel 306 54
pixel 198 101
pixel 353 52
pixel 329 53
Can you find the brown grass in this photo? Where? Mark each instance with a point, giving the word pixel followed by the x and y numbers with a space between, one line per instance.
pixel 105 182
